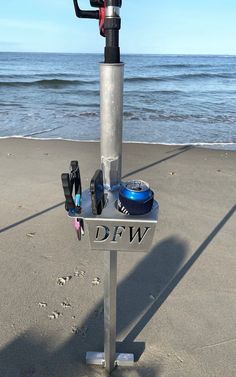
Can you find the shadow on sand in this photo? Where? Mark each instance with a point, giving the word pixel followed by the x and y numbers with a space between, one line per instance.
pixel 28 356
pixel 31 217
pixel 179 150
pixel 140 295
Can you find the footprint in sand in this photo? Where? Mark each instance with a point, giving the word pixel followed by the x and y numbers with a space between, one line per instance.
pixel 79 274
pixel 54 315
pixel 96 281
pixel 31 234
pixel 82 331
pixel 63 280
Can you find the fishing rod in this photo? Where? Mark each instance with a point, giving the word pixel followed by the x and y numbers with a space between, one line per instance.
pixel 116 215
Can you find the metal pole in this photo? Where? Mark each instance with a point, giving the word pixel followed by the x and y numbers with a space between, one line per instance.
pixel 111 116
pixel 111 107
pixel 110 282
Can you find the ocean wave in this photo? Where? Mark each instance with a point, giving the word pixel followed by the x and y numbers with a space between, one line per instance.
pixel 50 83
pixel 180 65
pixel 148 114
pixel 40 132
pixel 212 145
pixel 33 76
pixel 62 83
pixel 73 102
pixel 180 77
pixel 89 114
pixel 202 75
pixel 152 92
pixel 9 104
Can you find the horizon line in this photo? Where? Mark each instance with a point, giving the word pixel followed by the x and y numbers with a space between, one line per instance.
pixel 124 53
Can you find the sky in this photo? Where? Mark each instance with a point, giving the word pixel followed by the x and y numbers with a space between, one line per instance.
pixel 148 27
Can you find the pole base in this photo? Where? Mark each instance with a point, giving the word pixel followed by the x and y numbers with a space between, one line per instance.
pixel 98 358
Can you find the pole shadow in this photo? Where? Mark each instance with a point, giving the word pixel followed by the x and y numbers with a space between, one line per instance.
pixel 27 354
pixel 180 151
pixel 8 227
pixel 164 293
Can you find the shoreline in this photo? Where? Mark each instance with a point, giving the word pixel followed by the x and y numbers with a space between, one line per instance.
pixel 211 146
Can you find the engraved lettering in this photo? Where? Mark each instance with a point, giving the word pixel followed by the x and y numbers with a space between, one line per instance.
pixel 102 233
pixel 137 234
pixel 118 231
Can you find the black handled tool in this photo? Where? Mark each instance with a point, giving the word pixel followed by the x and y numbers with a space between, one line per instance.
pixel 97 192
pixel 71 184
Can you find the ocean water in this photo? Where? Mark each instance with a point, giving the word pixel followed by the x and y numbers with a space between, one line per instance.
pixel 167 99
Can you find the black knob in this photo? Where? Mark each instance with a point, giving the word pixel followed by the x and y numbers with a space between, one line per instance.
pixel 97 3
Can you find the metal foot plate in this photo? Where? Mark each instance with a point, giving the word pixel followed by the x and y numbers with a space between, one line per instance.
pixel 98 358
pixel 124 359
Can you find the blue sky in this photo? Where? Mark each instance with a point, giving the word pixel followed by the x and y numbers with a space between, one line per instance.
pixel 154 26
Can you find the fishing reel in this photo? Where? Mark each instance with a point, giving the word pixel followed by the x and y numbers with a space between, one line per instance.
pixel 108 14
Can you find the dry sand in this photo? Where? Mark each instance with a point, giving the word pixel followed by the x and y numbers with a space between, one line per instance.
pixel 176 304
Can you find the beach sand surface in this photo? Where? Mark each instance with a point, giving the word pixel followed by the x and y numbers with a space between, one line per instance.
pixel 176 304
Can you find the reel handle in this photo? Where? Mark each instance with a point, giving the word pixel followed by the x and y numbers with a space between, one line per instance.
pixel 108 14
pixel 93 14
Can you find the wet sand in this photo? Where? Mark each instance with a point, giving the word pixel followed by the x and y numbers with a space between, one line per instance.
pixel 176 303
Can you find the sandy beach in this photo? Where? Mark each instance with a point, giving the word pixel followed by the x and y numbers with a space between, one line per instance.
pixel 176 303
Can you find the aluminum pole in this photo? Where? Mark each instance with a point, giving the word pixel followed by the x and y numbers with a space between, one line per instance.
pixel 110 283
pixel 111 108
